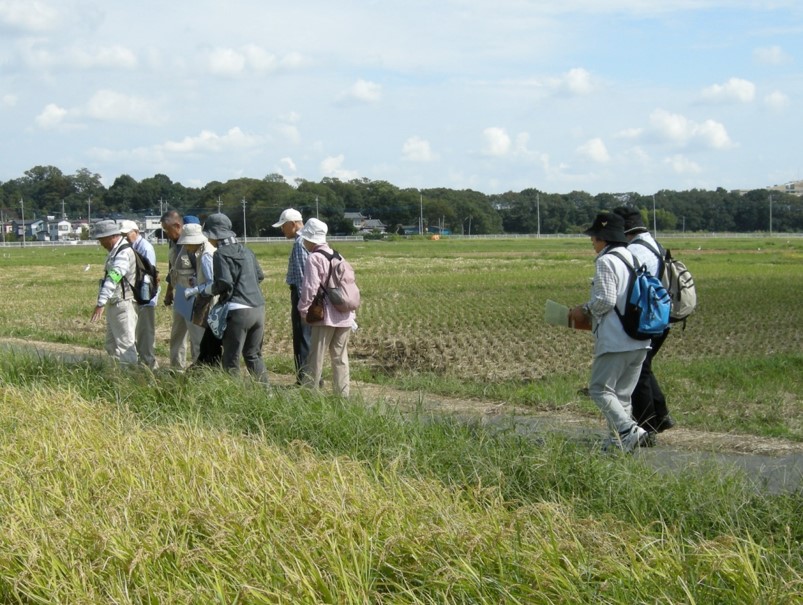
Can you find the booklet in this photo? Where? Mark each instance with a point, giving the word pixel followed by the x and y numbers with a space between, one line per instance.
pixel 557 314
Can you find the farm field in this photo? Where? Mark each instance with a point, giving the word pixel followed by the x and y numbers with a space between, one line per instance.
pixel 465 318
pixel 130 487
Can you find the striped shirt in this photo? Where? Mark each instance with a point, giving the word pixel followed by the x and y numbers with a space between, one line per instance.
pixel 295 266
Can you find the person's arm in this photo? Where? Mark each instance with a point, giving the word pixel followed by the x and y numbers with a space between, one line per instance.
pixel 309 287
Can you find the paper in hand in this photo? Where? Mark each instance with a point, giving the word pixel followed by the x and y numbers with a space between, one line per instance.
pixel 556 314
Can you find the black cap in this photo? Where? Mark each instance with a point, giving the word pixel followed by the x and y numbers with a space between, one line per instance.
pixel 633 221
pixel 609 227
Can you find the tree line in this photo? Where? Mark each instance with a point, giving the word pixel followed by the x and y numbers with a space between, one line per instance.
pixel 47 191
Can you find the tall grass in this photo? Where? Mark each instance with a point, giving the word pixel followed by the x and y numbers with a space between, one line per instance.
pixel 128 487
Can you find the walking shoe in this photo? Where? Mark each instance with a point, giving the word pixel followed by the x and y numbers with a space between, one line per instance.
pixel 664 424
pixel 636 438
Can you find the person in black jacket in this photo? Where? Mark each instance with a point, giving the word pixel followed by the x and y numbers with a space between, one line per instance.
pixel 237 282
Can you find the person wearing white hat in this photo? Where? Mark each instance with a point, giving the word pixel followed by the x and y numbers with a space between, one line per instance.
pixel 291 222
pixel 115 294
pixel 333 331
pixel 146 314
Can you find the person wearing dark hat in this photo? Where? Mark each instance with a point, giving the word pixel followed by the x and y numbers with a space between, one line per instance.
pixel 649 403
pixel 291 222
pixel 116 293
pixel 617 356
pixel 237 277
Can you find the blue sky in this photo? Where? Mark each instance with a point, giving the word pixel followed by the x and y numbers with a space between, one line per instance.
pixel 501 95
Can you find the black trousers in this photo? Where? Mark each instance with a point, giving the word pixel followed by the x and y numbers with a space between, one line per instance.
pixel 301 336
pixel 649 402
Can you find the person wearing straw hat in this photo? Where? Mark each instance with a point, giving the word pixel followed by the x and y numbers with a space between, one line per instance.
pixel 617 356
pixel 116 295
pixel 146 314
pixel 291 222
pixel 333 331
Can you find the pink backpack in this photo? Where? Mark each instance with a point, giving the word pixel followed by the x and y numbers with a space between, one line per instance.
pixel 341 285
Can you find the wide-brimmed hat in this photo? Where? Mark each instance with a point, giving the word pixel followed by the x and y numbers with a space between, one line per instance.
pixel 127 226
pixel 218 226
pixel 291 215
pixel 609 227
pixel 314 231
pixel 105 228
pixel 633 222
pixel 191 233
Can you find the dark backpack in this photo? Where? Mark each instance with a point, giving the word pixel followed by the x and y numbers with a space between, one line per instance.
pixel 146 280
pixel 341 284
pixel 677 280
pixel 647 303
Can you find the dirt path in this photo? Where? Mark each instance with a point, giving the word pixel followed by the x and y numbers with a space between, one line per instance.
pixel 776 463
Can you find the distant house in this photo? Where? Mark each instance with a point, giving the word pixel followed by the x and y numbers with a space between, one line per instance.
pixel 372 225
pixel 60 230
pixel 356 218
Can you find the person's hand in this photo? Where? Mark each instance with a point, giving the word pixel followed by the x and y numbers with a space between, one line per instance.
pixel 96 314
pixel 169 297
pixel 190 292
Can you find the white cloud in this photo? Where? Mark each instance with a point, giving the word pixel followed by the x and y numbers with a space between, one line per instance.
pixel 683 165
pixel 208 141
pixel 332 166
pixel 362 91
pixel 251 58
pixel 679 130
pixel 226 62
pixel 595 150
pixel 497 141
pixel 630 133
pixel 735 90
pixel 52 116
pixel 575 82
pixel 8 100
pixel 28 16
pixel 111 106
pixel 289 164
pixel 416 149
pixel 776 100
pixel 770 55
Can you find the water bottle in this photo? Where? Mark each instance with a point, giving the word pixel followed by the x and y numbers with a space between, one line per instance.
pixel 145 290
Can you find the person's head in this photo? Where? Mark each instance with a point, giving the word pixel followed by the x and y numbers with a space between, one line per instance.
pixel 192 237
pixel 634 223
pixel 107 232
pixel 217 227
pixel 607 228
pixel 290 222
pixel 313 233
pixel 171 225
pixel 129 230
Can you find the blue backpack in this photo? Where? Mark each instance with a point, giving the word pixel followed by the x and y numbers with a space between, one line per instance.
pixel 647 305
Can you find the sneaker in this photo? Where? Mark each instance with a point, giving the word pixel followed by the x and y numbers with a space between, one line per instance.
pixel 636 438
pixel 664 424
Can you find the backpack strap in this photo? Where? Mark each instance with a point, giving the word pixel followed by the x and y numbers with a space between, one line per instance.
pixel 130 283
pixel 331 258
pixel 659 254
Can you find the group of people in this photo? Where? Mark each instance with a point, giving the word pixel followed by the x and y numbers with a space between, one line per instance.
pixel 208 267
pixel 622 383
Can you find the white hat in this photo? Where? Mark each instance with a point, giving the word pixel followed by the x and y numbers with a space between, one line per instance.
pixel 191 233
pixel 314 231
pixel 127 226
pixel 291 215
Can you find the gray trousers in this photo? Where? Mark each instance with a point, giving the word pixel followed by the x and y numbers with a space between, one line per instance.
pixel 146 335
pixel 336 341
pixel 613 378
pixel 245 329
pixel 121 326
pixel 182 327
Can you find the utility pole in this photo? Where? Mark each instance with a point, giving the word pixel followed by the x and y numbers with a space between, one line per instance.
pixel 63 214
pixel 538 211
pixel 22 205
pixel 3 223
pixel 770 215
pixel 219 204
pixel 89 216
pixel 654 222
pixel 421 214
pixel 245 231
pixel 316 207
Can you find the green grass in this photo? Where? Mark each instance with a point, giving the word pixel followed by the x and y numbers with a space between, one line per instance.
pixel 128 487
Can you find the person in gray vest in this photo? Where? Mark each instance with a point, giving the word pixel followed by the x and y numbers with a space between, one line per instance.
pixel 146 314
pixel 237 278
pixel 291 222
pixel 115 294
pixel 649 402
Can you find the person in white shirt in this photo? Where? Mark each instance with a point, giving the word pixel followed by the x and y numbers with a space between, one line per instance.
pixel 649 402
pixel 617 356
